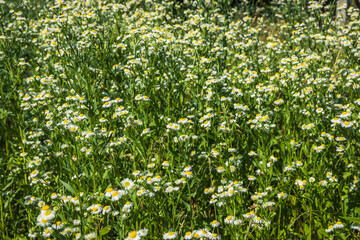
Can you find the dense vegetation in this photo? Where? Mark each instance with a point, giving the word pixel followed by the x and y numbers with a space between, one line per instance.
pixel 179 120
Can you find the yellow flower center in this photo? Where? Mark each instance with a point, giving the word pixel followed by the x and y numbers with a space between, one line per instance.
pixel 133 234
pixel 46 207
pixel 47 213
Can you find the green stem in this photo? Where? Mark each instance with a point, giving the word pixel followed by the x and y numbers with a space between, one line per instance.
pixel 2 217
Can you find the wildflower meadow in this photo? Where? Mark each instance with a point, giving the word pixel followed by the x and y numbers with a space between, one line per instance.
pixel 164 119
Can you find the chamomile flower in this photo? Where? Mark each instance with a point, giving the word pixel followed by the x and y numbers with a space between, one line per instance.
pixel 145 131
pixel 90 236
pixel 127 184
pixel 252 178
pixel 215 223
pixel 95 209
pixel 116 195
pixel 188 235
pixel 106 209
pixel 281 195
pixel 338 225
pixel 330 229
pixel 170 235
pixel 220 169
pixel 47 232
pixel 229 220
pixel 133 235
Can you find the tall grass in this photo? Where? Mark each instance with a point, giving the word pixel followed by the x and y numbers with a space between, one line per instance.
pixel 178 120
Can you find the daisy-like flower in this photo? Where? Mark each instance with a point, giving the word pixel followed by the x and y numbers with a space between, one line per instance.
pixel 249 214
pixel 214 236
pixel 173 126
pixel 145 131
pixel 143 232
pixel 106 105
pixel 170 235
pixel 252 178
pixel 32 234
pixel 289 168
pixel 95 209
pixel 340 139
pixel 106 209
pixel 42 221
pixel 347 124
pixel 58 225
pixel 47 232
pixel 319 110
pixel 215 223
pixel 151 165
pixel 206 124
pixel 77 236
pixel 237 222
pixel 333 179
pixel 184 137
pixel 323 183
pixel 341 148
pixel 330 228
pixel 116 195
pixel 90 236
pixel 188 235
pixel 165 164
pixel 108 192
pixel 133 235
pixel 23 154
pixel 345 114
pixel 229 220
pixel 128 205
pixel 127 184
pixel 258 220
pixel 282 195
pixel 336 120
pixel 34 173
pixel 338 225
pixel 252 153
pixel 73 128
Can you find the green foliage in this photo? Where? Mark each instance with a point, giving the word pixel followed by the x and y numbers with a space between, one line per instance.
pixel 178 120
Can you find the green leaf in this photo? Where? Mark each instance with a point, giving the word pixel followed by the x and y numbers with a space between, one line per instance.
pixel 346 175
pixel 68 187
pixel 186 205
pixel 352 219
pixel 105 230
